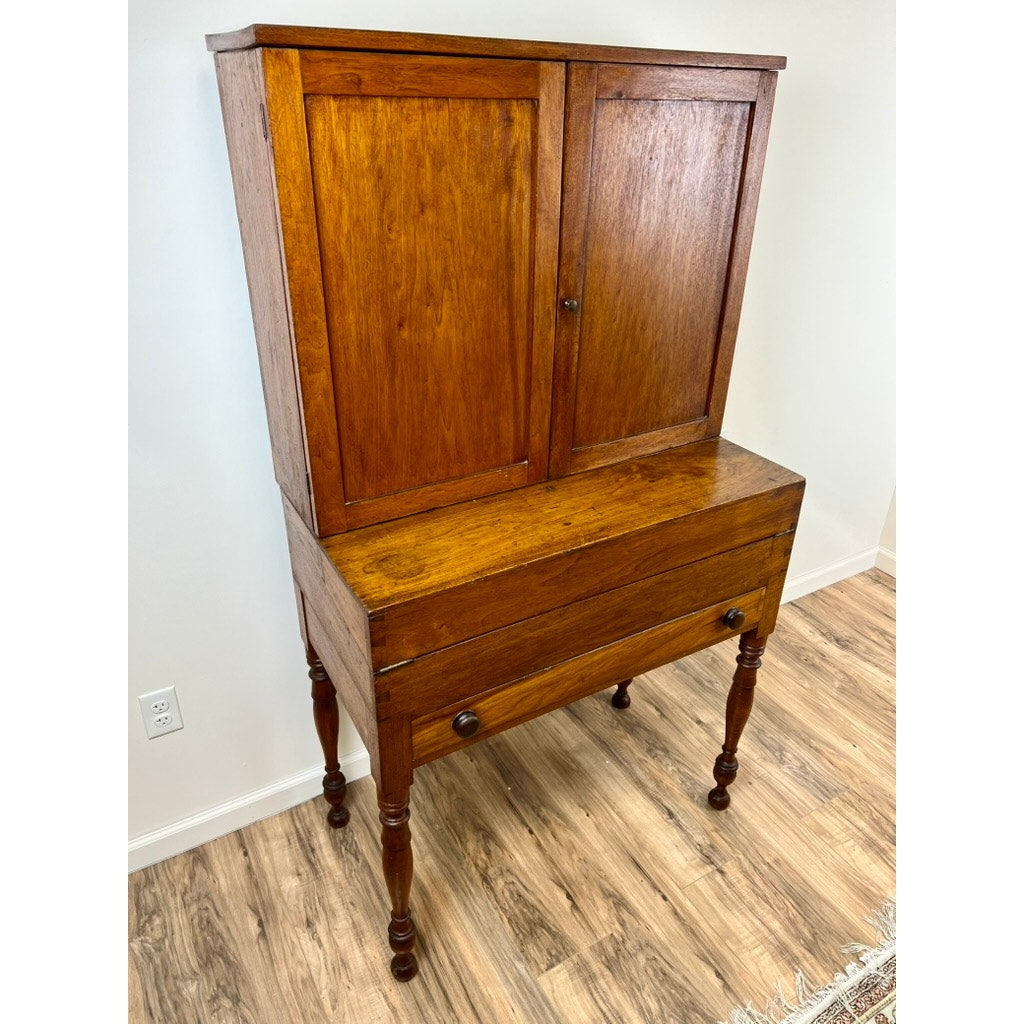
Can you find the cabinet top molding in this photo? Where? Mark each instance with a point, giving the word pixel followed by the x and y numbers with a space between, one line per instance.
pixel 296 36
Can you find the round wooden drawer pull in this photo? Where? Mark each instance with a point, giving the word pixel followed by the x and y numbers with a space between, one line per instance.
pixel 734 618
pixel 466 723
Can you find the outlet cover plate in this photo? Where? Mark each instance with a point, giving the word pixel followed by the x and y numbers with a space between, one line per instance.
pixel 160 712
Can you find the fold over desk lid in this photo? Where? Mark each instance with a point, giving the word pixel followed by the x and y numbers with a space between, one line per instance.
pixel 440 576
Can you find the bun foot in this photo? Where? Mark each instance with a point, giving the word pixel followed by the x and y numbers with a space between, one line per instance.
pixel 337 817
pixel 404 966
pixel 719 798
pixel 620 699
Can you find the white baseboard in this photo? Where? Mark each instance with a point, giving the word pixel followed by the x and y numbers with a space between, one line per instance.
pixel 886 561
pixel 806 584
pixel 218 821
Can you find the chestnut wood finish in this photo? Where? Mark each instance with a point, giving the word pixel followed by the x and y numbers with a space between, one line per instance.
pixel 325 717
pixel 496 289
pixel 243 97
pixel 662 172
pixel 450 574
pixel 424 176
pixel 301 37
pixel 419 212
pixel 620 698
pixel 563 634
pixel 396 844
pixel 511 704
pixel 737 711
pixel 284 116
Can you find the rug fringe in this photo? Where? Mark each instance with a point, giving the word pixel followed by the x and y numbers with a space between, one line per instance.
pixel 781 1011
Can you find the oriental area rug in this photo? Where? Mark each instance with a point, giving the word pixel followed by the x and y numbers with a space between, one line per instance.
pixel 864 994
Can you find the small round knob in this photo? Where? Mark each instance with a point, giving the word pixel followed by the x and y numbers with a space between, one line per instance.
pixel 734 618
pixel 571 304
pixel 465 723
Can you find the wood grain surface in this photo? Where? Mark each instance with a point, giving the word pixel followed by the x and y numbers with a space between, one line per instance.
pixel 426 176
pixel 662 168
pixel 240 82
pixel 300 250
pixel 426 204
pixel 451 573
pixel 569 871
pixel 663 190
pixel 425 42
pixel 553 637
pixel 561 684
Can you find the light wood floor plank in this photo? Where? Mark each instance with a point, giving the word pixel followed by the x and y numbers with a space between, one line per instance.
pixel 568 871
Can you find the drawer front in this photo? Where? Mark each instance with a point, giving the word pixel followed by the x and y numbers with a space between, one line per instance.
pixel 436 621
pixel 433 735
pixel 536 643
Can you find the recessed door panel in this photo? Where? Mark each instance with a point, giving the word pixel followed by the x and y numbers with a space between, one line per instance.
pixel 662 168
pixel 433 193
pixel 663 192
pixel 424 210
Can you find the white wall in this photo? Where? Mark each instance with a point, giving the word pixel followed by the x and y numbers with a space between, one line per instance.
pixel 212 606
pixel 887 542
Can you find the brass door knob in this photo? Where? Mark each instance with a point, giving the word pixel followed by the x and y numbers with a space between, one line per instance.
pixel 465 724
pixel 571 304
pixel 734 618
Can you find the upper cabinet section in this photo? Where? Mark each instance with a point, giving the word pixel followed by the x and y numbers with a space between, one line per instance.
pixel 473 268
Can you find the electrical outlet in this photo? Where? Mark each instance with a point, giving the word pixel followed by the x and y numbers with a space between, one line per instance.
pixel 160 712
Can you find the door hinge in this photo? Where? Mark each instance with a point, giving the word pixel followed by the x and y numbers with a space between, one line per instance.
pixel 263 119
pixel 309 487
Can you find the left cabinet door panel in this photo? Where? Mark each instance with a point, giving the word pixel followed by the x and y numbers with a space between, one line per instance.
pixel 419 205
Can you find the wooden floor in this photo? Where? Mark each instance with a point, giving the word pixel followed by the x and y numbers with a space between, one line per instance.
pixel 569 870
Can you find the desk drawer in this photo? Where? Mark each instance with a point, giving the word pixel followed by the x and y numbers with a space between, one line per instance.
pixel 528 646
pixel 567 576
pixel 498 709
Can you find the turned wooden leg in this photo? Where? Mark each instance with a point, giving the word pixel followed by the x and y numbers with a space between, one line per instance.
pixel 397 850
pixel 620 699
pixel 325 715
pixel 737 711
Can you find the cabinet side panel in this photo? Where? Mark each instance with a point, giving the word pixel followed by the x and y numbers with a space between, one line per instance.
pixel 750 189
pixel 327 594
pixel 352 691
pixel 241 95
pixel 286 123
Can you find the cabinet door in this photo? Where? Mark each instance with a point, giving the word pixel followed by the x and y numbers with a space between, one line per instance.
pixel 662 171
pixel 419 202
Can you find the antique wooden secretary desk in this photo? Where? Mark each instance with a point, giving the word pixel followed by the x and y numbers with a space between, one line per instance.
pixel 496 287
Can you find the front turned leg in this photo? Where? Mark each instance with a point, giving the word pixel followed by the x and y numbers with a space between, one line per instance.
pixel 325 715
pixel 397 855
pixel 737 711
pixel 620 698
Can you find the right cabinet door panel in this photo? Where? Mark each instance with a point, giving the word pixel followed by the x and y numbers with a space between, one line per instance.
pixel 662 169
